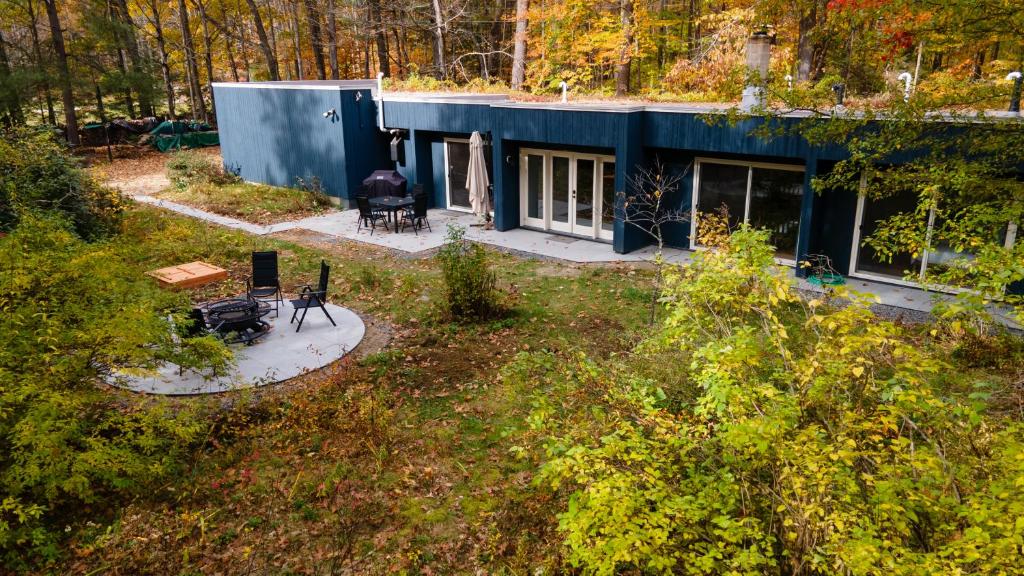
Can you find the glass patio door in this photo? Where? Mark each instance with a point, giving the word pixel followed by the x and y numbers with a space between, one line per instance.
pixel 568 192
pixel 583 197
pixel 561 193
pixel 457 169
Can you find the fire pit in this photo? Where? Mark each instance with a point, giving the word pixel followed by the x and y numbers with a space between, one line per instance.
pixel 238 319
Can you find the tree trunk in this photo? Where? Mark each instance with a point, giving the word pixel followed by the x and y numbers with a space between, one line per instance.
pixel 165 69
pixel 273 38
pixel 131 42
pixel 9 95
pixel 208 58
pixel 198 103
pixel 662 36
pixel 244 45
pixel 40 63
pixel 978 63
pixel 366 60
pixel 377 18
pixel 296 40
pixel 496 38
pixel 399 54
pixel 67 94
pixel 115 20
pixel 809 46
pixel 332 40
pixel 313 22
pixel 231 58
pixel 519 50
pixel 261 33
pixel 693 29
pixel 439 66
pixel 622 71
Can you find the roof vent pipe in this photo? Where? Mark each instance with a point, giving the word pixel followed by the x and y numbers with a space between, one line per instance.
pixel 380 101
pixel 565 91
pixel 1015 97
pixel 839 90
pixel 759 53
pixel 907 80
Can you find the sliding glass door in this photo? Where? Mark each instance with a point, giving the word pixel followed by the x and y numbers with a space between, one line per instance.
pixel 568 192
pixel 763 195
pixel 456 157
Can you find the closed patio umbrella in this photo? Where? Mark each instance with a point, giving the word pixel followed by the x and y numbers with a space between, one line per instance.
pixel 477 180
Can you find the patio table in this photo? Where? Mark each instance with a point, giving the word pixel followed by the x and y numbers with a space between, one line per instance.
pixel 391 205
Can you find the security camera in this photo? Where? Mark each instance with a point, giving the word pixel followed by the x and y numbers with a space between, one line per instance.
pixel 330 113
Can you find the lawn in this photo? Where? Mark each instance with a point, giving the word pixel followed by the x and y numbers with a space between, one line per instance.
pixel 398 461
pixel 256 203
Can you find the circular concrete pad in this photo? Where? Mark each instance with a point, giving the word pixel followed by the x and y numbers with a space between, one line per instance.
pixel 280 355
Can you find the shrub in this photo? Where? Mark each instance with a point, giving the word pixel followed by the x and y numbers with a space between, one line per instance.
pixel 469 283
pixel 820 440
pixel 37 174
pixel 187 167
pixel 71 314
pixel 314 188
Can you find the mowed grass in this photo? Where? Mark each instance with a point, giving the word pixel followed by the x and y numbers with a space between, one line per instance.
pixel 256 203
pixel 398 462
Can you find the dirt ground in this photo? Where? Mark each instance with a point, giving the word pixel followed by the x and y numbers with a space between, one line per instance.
pixel 136 169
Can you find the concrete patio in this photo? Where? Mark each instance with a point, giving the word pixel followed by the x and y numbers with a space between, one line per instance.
pixel 344 223
pixel 280 355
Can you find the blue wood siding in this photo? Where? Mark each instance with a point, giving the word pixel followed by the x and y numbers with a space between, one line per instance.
pixel 274 136
pixel 711 133
pixel 366 147
pixel 438 117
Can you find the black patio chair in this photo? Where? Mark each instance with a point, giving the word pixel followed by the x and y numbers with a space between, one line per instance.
pixel 310 298
pixel 417 190
pixel 369 216
pixel 416 215
pixel 264 284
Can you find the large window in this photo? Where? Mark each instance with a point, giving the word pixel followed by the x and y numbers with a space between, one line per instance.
pixel 903 267
pixel 764 195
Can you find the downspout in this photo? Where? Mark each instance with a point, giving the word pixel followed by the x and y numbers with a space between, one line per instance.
pixel 380 101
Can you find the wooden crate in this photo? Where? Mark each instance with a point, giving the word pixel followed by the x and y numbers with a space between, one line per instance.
pixel 188 275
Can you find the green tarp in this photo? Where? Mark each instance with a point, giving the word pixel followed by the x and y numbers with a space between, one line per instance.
pixel 186 140
pixel 178 127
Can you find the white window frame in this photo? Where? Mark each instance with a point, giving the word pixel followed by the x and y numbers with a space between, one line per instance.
pixel 545 224
pixel 524 173
pixel 695 196
pixel 858 221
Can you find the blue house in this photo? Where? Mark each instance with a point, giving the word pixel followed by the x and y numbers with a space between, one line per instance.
pixel 556 167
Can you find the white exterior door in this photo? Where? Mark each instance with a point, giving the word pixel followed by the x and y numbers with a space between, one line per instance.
pixel 560 196
pixel 567 192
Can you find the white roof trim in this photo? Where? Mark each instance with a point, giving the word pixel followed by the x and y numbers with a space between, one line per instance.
pixel 334 85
